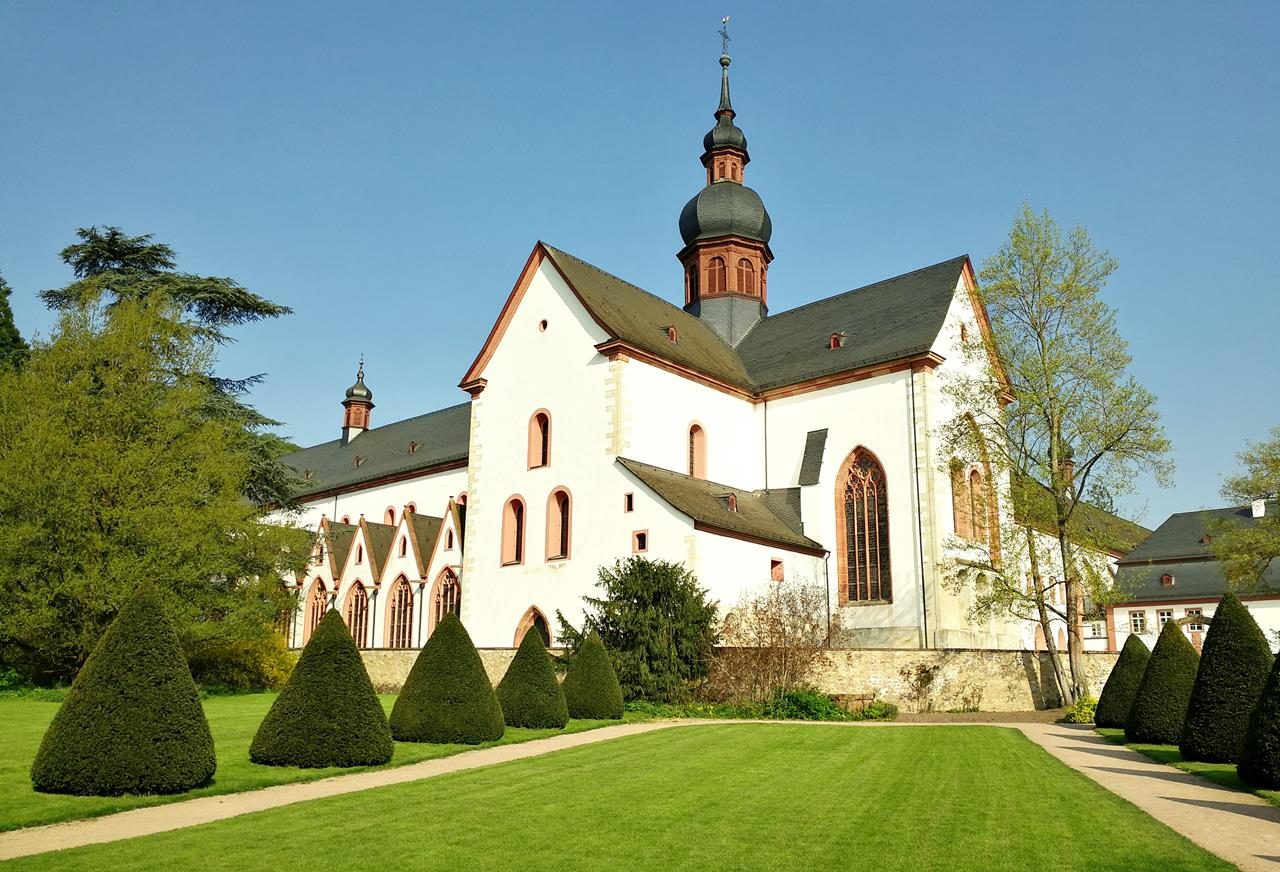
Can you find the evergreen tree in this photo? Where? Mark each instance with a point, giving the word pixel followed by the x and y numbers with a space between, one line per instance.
pixel 113 267
pixel 1260 758
pixel 591 687
pixel 529 693
pixel 447 697
pixel 1234 664
pixel 132 721
pixel 1160 705
pixel 1122 684
pixel 328 713
pixel 13 348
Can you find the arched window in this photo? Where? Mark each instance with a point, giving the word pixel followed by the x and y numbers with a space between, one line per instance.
pixel 346 519
pixel 462 498
pixel 359 554
pixel 513 532
pixel 558 524
pixel 746 277
pixel 539 439
pixel 717 276
pixel 446 598
pixel 404 545
pixel 961 501
pixel 411 507
pixel 536 621
pixel 358 615
pixel 978 507
pixel 862 519
pixel 389 516
pixel 317 605
pixel 400 614
pixel 697 451
pixel 448 540
pixel 691 283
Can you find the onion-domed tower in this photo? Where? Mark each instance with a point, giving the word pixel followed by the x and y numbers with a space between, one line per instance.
pixel 357 405
pixel 726 233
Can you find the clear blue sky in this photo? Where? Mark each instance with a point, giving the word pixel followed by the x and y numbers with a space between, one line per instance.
pixel 385 168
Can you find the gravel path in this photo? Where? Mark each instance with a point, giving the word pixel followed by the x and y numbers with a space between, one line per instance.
pixel 1239 827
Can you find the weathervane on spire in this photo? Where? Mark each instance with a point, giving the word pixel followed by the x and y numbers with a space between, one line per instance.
pixel 360 371
pixel 724 36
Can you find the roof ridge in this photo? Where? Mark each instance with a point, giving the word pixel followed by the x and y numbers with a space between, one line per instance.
pixel 866 287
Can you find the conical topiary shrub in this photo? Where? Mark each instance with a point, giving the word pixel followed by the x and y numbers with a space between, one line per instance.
pixel 447 697
pixel 132 722
pixel 1260 757
pixel 1234 664
pixel 1160 705
pixel 327 714
pixel 529 693
pixel 1122 684
pixel 591 688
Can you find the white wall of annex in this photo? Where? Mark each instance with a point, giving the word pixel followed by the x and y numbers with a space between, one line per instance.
pixel 430 494
pixel 1265 611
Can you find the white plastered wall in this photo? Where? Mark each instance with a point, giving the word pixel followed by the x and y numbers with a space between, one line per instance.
pixel 1266 611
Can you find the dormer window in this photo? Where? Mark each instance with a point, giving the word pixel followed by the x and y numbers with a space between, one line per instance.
pixel 836 341
pixel 672 335
pixel 306 475
pixel 359 460
pixel 413 447
pixel 1166 580
pixel 731 502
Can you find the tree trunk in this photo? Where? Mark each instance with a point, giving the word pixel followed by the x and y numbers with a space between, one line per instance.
pixel 1042 612
pixel 1075 640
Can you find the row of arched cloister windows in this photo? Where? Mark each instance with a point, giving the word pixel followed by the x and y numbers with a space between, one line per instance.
pixel 559 537
pixel 974 507
pixel 445 598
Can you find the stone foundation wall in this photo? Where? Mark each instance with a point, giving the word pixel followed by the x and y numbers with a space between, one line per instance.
pixel 942 680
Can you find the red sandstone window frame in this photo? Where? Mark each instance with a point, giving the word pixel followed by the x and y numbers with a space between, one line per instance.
pixel 539 439
pixel 697 451
pixel 358 614
pixel 746 276
pixel 514 520
pixel 639 541
pixel 864 563
pixel 446 597
pixel 717 276
pixel 317 605
pixel 559 524
pixel 399 633
pixel 533 619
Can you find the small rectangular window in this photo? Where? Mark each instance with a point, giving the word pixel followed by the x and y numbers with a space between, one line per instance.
pixel 1097 629
pixel 1195 626
pixel 775 570
pixel 640 541
pixel 1163 616
pixel 1138 622
pixel 628 502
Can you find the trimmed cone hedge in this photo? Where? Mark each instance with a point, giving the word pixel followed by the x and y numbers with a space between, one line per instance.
pixel 1122 684
pixel 529 693
pixel 1160 705
pixel 447 697
pixel 1260 757
pixel 132 721
pixel 1234 664
pixel 591 688
pixel 327 714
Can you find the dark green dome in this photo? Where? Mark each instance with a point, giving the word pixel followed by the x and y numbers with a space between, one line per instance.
pixel 725 208
pixel 725 134
pixel 359 390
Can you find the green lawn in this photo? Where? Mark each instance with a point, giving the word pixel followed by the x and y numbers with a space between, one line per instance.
pixel 1219 773
pixel 751 796
pixel 233 720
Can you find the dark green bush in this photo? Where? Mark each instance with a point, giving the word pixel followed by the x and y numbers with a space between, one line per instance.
pixel 803 705
pixel 246 664
pixel 1234 663
pixel 529 693
pixel 327 714
pixel 132 721
pixel 657 624
pixel 1122 684
pixel 591 687
pixel 1160 705
pixel 1260 757
pixel 447 697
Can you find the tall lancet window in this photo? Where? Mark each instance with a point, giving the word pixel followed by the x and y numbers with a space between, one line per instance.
pixel 358 615
pixel 864 511
pixel 746 277
pixel 717 276
pixel 697 452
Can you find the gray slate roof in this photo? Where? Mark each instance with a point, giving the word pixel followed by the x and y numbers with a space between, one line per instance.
pixel 1176 548
pixel 769 515
pixel 442 436
pixel 815 444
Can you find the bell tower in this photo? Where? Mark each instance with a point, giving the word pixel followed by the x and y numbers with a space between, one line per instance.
pixel 357 406
pixel 726 230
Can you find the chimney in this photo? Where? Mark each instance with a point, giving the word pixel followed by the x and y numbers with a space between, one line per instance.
pixel 1259 508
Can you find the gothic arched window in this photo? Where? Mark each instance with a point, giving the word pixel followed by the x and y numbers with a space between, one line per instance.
pixel 863 519
pixel 358 615
pixel 558 524
pixel 400 614
pixel 513 532
pixel 447 599
pixel 746 277
pixel 317 605
pixel 717 276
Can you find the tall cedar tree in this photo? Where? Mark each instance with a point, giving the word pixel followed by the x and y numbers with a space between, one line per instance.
pixel 591 688
pixel 1234 664
pixel 110 472
pixel 13 348
pixel 1122 684
pixel 328 713
pixel 447 697
pixel 529 693
pixel 132 721
pixel 112 266
pixel 1260 758
pixel 1079 426
pixel 1159 707
pixel 656 620
pixel 1248 547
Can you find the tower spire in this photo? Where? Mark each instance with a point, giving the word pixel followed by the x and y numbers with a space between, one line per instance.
pixel 725 60
pixel 357 405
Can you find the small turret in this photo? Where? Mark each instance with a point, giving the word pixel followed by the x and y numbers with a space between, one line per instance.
pixel 357 405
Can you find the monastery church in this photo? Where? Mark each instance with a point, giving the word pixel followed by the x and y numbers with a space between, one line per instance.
pixel 605 421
